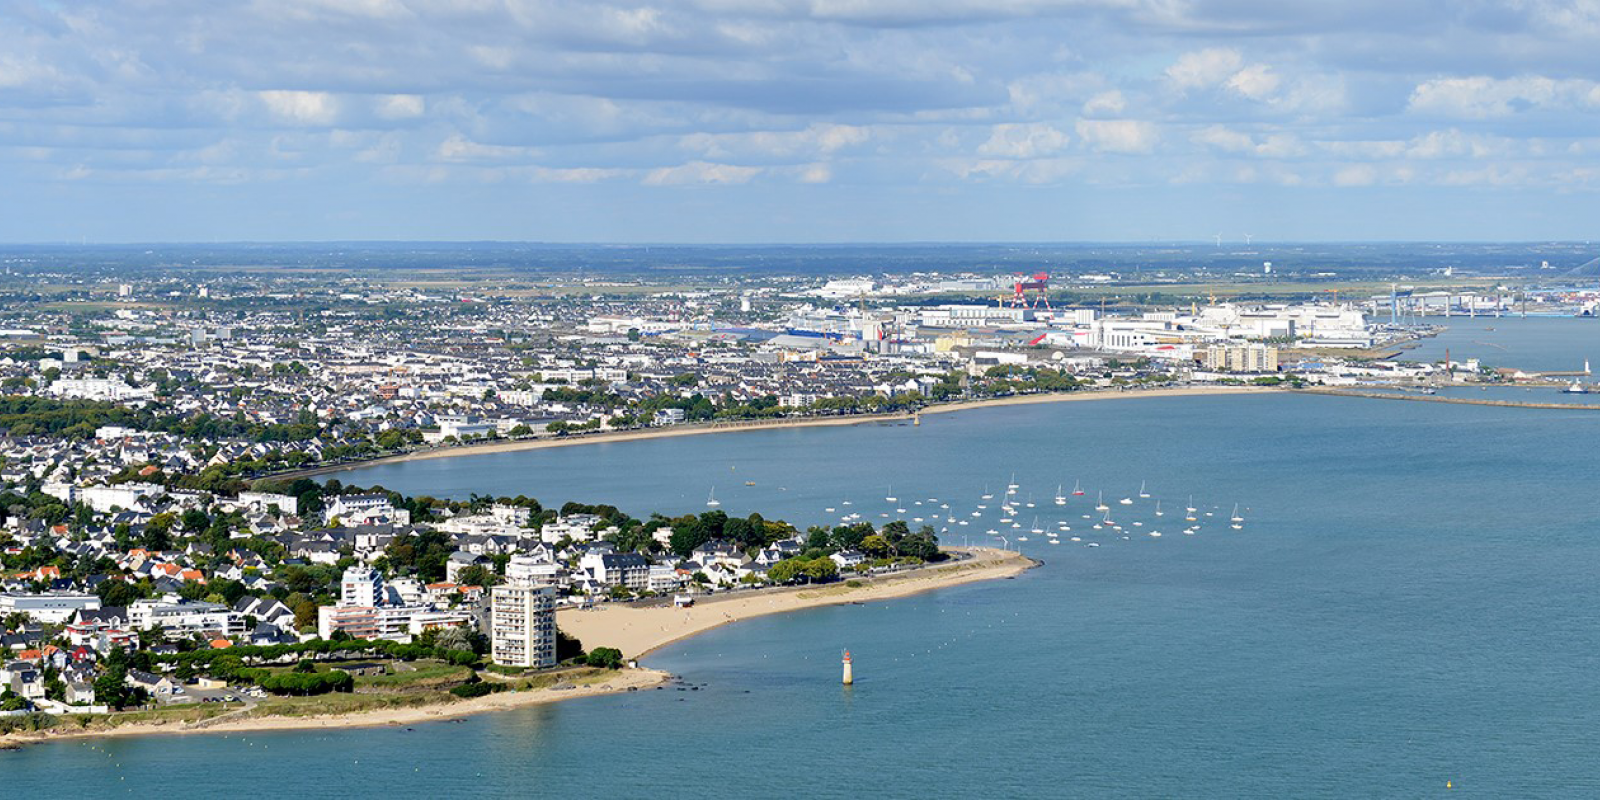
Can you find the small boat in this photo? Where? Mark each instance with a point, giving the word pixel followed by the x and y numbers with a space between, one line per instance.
pixel 1077 538
pixel 1100 503
pixel 1036 528
pixel 986 494
pixel 1013 484
pixel 1061 499
pixel 1236 526
pixel 1127 501
pixel 829 509
pixel 1022 538
pixel 1155 534
pixel 1094 544
pixel 1191 509
pixel 1077 489
pixel 1142 492
pixel 1055 541
pixel 711 500
pixel 1236 517
pixel 749 483
pixel 1159 512
pixel 890 498
pixel 977 513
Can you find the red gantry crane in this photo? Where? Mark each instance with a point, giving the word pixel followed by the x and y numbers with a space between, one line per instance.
pixel 1038 286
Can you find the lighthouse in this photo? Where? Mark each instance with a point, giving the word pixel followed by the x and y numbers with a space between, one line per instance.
pixel 849 676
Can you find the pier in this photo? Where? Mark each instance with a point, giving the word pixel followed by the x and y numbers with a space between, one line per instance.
pixel 1433 398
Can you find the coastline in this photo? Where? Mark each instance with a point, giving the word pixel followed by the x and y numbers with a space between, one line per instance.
pixel 641 631
pixel 701 429
pixel 636 631
pixel 622 681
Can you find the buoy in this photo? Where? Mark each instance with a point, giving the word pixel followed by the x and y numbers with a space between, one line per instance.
pixel 1449 785
pixel 849 676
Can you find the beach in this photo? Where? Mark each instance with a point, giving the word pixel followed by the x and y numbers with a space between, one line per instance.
pixel 639 631
pixel 636 631
pixel 620 681
pixel 700 429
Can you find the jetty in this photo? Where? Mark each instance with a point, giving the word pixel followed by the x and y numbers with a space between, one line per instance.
pixel 1433 398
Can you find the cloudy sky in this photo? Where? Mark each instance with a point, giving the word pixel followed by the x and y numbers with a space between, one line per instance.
pixel 799 120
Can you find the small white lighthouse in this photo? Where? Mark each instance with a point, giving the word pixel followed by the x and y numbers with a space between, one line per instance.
pixel 849 676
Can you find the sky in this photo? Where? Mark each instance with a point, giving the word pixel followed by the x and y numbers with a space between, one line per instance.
pixel 799 120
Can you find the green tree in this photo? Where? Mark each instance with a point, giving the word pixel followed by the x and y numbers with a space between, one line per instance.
pixel 605 658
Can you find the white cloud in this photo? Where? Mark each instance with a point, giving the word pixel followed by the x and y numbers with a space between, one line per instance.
pixel 459 148
pixel 1255 82
pixel 701 172
pixel 1482 97
pixel 816 173
pixel 1023 140
pixel 1111 103
pixel 578 174
pixel 1356 175
pixel 1222 138
pixel 1118 135
pixel 400 106
pixel 301 108
pixel 817 139
pixel 1204 68
pixel 1038 171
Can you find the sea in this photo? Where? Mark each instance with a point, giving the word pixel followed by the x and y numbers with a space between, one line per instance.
pixel 1406 610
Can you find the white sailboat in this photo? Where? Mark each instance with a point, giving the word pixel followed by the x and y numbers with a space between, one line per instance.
pixel 1159 512
pixel 1191 509
pixel 1100 503
pixel 890 498
pixel 711 500
pixel 1142 492
pixel 1061 499
pixel 1236 517
pixel 986 494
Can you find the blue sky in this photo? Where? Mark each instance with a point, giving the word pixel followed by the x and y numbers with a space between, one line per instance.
pixel 798 120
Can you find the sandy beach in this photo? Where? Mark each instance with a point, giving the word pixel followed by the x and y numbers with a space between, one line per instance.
pixel 621 681
pixel 638 631
pixel 610 437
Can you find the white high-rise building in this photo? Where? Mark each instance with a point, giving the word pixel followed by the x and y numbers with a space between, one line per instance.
pixel 361 586
pixel 523 625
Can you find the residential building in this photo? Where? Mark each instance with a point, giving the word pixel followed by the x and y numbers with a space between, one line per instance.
pixel 523 625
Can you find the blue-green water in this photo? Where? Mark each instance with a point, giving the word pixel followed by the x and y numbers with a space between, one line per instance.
pixel 1410 602
pixel 1533 343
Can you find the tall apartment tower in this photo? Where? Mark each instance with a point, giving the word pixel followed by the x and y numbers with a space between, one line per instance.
pixel 523 624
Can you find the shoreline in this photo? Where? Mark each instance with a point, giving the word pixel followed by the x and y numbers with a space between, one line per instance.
pixel 636 631
pixel 622 681
pixel 701 429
